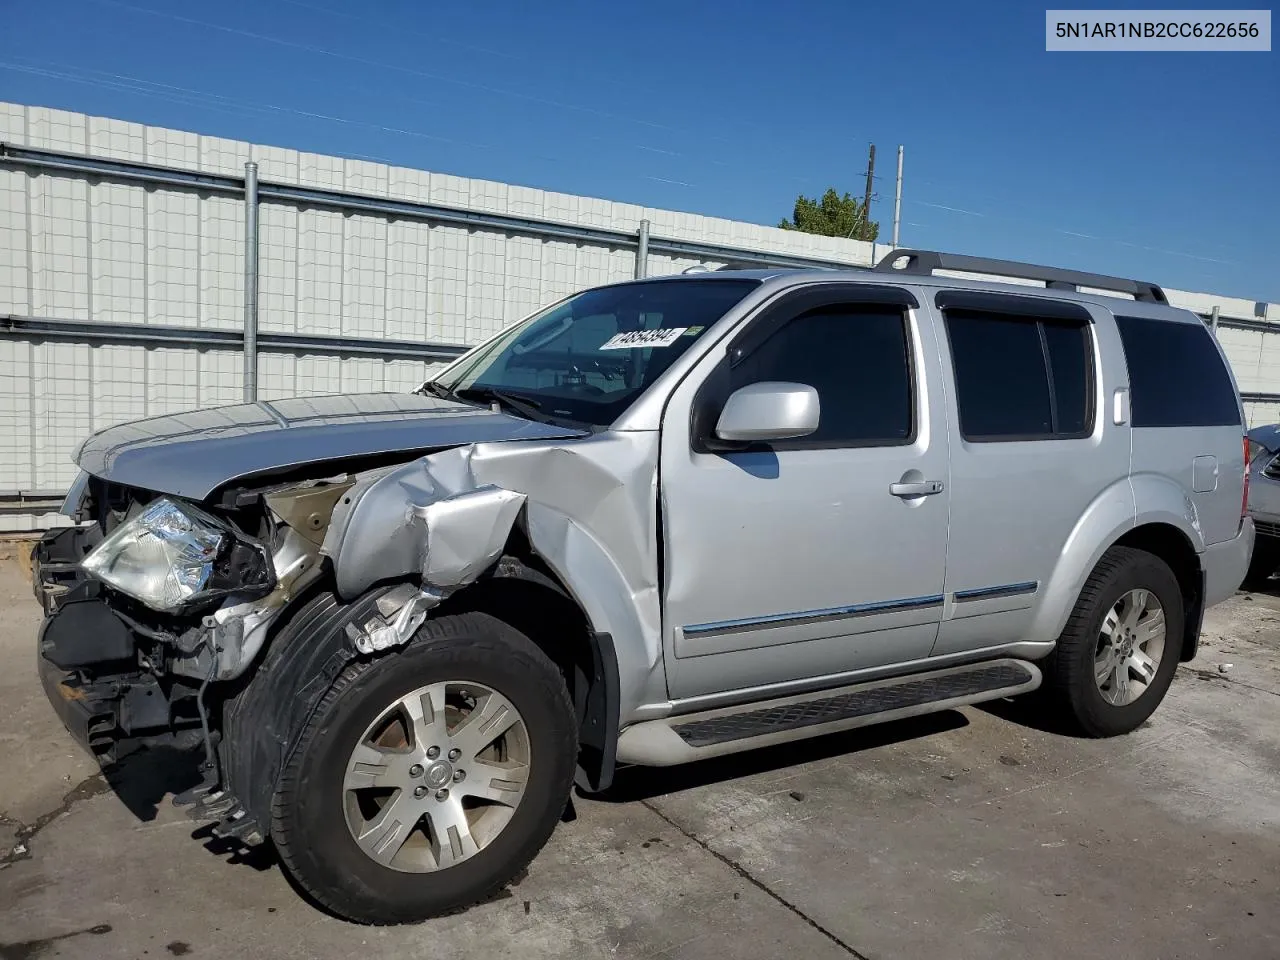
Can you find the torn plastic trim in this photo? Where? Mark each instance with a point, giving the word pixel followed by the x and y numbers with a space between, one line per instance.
pixel 401 611
pixel 262 722
pixel 458 539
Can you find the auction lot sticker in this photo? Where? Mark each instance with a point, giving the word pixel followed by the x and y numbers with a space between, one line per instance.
pixel 662 337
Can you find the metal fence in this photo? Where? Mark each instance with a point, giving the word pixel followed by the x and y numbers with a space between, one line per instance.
pixel 131 287
pixel 252 193
pixel 99 356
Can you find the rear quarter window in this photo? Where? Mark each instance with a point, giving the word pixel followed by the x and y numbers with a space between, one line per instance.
pixel 1177 377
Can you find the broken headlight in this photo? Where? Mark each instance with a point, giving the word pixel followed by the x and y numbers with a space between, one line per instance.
pixel 173 554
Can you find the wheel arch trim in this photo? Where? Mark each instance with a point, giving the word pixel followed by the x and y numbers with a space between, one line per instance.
pixel 1132 503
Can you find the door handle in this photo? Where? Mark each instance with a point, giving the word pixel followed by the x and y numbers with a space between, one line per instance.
pixel 921 488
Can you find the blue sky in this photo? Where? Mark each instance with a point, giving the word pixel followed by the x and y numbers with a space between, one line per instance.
pixel 1159 166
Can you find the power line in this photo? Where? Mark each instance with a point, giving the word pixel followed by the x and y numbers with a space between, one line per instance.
pixel 541 63
pixel 437 38
pixel 364 61
pixel 222 103
pixel 1070 233
pixel 411 71
pixel 190 97
pixel 187 96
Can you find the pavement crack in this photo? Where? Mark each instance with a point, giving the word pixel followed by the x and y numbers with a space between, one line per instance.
pixel 1225 678
pixel 758 884
pixel 86 789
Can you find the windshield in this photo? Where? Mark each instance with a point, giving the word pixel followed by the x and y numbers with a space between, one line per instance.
pixel 588 358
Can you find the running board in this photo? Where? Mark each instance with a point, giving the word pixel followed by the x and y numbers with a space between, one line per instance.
pixel 713 733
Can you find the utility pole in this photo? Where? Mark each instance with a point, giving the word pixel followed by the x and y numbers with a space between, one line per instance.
pixel 897 200
pixel 871 172
pixel 250 282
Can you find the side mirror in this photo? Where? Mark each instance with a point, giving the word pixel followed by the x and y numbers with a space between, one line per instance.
pixel 769 411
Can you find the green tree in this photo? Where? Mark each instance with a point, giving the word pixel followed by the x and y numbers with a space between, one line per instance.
pixel 832 216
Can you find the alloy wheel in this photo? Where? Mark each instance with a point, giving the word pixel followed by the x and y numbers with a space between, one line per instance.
pixel 1130 646
pixel 437 776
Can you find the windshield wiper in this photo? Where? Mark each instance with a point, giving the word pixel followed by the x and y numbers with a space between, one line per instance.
pixel 435 389
pixel 525 406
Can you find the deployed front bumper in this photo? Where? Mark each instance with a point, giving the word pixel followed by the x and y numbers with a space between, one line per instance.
pixel 90 723
pixel 89 659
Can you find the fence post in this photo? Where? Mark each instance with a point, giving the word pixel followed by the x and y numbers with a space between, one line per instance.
pixel 642 251
pixel 250 281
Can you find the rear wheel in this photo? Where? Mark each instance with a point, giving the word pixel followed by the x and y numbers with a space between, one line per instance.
pixel 1116 658
pixel 428 778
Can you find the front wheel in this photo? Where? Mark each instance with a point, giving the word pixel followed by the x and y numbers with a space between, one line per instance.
pixel 428 778
pixel 1116 658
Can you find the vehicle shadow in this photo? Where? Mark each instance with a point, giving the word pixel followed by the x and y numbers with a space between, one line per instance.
pixel 147 777
pixel 144 778
pixel 1030 711
pixel 633 784
pixel 1271 588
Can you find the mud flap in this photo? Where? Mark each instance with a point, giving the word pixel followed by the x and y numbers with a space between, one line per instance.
pixel 598 734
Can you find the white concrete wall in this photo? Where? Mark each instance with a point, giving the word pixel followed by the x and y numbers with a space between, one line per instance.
pixel 72 248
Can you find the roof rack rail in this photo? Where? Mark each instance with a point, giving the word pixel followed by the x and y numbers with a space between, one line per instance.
pixel 743 265
pixel 925 262
pixel 766 265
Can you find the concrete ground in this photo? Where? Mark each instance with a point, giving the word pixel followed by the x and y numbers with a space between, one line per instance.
pixel 967 834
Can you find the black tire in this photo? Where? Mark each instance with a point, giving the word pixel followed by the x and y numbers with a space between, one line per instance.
pixel 1263 563
pixel 1069 681
pixel 308 824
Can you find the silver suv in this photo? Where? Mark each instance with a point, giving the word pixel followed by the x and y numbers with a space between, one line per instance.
pixel 655 522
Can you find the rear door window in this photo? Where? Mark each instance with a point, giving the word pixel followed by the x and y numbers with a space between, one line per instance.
pixel 1020 376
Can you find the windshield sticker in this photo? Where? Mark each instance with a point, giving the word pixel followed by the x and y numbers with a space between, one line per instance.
pixel 643 338
pixel 693 331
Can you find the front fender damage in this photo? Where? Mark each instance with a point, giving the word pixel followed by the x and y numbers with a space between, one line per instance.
pixel 589 511
pixel 437 536
pixel 447 542
pixel 428 521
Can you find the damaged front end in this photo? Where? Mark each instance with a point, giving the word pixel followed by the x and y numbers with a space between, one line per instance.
pixel 222 623
pixel 156 612
pixel 159 597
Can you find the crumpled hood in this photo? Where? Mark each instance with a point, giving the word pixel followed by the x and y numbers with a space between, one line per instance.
pixel 192 454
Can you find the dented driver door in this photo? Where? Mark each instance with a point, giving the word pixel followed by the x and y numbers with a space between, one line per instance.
pixel 808 558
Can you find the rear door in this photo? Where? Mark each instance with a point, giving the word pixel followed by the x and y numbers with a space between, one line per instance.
pixel 1030 450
